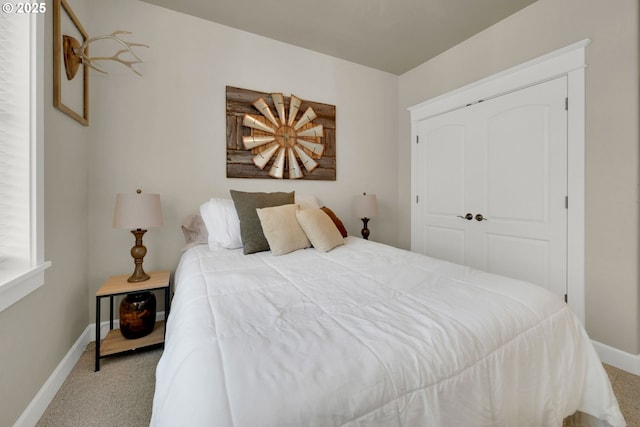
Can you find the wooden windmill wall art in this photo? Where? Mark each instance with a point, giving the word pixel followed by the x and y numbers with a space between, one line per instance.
pixel 273 136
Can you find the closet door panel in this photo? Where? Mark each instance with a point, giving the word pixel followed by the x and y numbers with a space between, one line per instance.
pixel 443 180
pixel 518 165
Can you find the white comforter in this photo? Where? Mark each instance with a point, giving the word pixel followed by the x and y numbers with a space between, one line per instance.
pixel 369 335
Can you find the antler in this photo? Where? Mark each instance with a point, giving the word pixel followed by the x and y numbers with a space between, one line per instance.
pixel 81 52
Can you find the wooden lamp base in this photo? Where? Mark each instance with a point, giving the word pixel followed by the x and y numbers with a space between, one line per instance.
pixel 138 252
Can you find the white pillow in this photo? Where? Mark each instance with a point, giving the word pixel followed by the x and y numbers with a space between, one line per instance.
pixel 223 225
pixel 281 229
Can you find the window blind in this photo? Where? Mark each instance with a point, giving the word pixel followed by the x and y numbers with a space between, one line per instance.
pixel 15 144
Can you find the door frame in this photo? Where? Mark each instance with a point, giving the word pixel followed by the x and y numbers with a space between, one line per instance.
pixel 568 61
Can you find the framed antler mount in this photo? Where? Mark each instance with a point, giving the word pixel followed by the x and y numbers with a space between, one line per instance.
pixel 71 96
pixel 71 52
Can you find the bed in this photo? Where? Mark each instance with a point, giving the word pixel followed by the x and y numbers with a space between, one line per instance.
pixel 366 334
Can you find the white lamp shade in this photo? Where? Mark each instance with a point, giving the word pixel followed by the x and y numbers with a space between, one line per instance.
pixel 365 206
pixel 138 210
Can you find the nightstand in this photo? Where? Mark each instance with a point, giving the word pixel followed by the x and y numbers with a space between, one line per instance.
pixel 114 342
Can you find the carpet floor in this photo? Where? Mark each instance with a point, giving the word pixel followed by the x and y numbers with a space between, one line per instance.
pixel 120 394
pixel 110 398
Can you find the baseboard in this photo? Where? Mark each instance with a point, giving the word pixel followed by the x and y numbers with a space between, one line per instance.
pixel 40 402
pixel 618 358
pixel 43 398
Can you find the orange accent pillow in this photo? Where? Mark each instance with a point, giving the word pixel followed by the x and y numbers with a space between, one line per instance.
pixel 336 221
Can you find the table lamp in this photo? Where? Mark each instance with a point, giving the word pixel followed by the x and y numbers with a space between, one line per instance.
pixel 137 212
pixel 365 207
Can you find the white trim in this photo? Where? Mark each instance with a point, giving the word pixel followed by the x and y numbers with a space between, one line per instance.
pixel 569 61
pixel 576 147
pixel 37 145
pixel 17 284
pixel 546 67
pixel 43 398
pixel 618 358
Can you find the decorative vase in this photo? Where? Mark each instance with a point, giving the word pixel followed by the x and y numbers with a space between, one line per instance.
pixel 137 315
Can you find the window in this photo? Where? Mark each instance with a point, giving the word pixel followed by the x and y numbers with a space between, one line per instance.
pixel 22 262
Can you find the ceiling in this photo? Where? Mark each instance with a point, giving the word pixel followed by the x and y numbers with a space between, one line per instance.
pixel 390 35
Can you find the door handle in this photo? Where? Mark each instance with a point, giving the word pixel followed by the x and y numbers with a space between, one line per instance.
pixel 468 216
pixel 479 217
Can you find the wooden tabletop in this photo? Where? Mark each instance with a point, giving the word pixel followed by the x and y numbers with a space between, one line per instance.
pixel 119 284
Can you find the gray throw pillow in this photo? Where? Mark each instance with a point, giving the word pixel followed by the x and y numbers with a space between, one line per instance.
pixel 253 239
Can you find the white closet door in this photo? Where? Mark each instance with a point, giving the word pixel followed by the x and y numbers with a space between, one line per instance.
pixel 504 162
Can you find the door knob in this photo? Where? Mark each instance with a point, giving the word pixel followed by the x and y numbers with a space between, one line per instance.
pixel 479 217
pixel 468 216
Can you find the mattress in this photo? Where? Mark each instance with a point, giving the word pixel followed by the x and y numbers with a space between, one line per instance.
pixel 369 335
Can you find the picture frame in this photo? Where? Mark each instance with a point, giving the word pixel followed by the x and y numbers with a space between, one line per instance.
pixel 71 96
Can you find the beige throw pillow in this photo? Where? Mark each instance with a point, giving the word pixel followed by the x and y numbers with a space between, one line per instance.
pixel 320 229
pixel 282 230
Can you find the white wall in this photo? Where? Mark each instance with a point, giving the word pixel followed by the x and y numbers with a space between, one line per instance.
pixel 612 295
pixel 165 132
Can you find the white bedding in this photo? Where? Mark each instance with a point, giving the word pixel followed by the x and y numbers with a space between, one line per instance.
pixel 369 335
